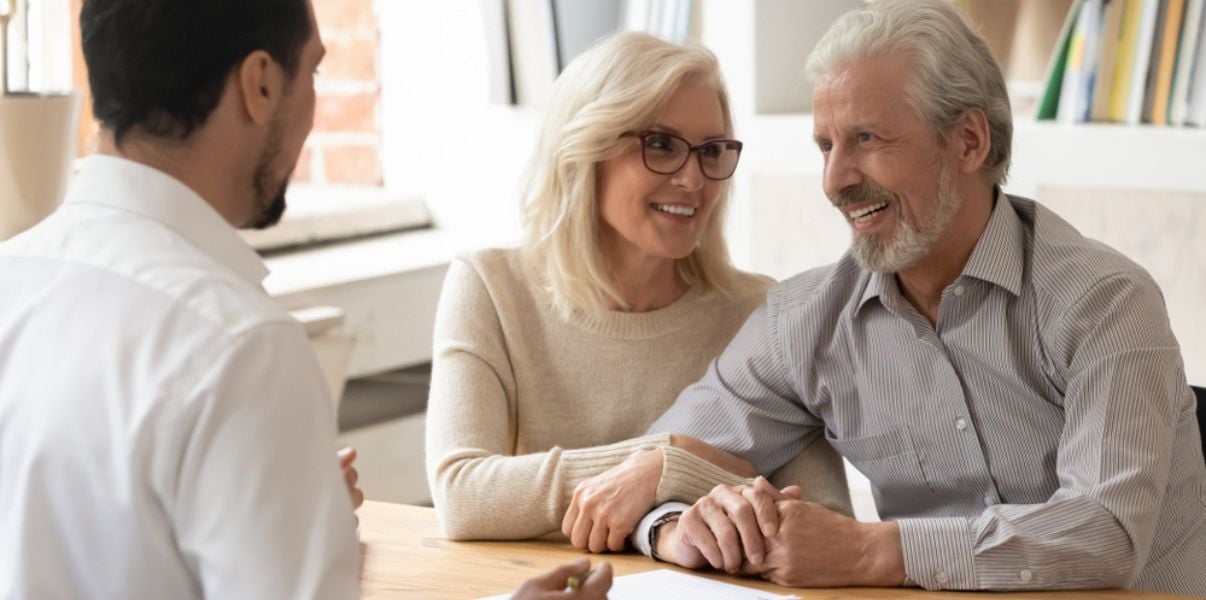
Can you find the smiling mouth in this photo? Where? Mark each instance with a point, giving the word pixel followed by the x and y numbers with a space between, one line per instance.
pixel 680 211
pixel 865 214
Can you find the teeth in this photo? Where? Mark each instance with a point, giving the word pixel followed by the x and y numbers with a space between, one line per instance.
pixel 685 211
pixel 862 212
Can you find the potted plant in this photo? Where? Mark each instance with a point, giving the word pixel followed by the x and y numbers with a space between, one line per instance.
pixel 37 136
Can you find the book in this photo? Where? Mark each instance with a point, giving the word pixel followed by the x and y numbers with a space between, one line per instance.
pixel 1191 32
pixel 1081 53
pixel 1057 69
pixel 1124 65
pixel 1084 109
pixel 1111 33
pixel 1197 85
pixel 1168 58
pixel 1149 89
pixel 1142 62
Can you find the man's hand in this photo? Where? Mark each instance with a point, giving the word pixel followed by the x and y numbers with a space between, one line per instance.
pixel 607 507
pixel 347 456
pixel 728 526
pixel 553 584
pixel 816 547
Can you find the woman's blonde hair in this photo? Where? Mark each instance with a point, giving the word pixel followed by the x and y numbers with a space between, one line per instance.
pixel 619 85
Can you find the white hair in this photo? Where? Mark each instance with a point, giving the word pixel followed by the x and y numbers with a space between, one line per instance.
pixel 953 69
pixel 619 85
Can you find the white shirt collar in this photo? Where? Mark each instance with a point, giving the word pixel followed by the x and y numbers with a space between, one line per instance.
pixel 130 186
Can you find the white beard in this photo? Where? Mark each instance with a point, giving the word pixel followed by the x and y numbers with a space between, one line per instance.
pixel 911 241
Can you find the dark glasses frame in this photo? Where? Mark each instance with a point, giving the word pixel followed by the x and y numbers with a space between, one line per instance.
pixel 731 145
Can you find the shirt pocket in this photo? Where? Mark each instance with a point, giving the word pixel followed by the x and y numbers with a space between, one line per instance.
pixel 892 465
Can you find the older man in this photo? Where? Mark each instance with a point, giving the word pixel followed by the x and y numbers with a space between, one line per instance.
pixel 1011 389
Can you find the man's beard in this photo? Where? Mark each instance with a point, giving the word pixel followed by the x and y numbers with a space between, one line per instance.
pixel 269 195
pixel 890 252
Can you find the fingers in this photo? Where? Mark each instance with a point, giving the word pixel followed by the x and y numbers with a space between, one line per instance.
pixel 694 531
pixel 597 584
pixel 598 537
pixel 350 475
pixel 571 517
pixel 580 534
pixel 793 491
pixel 617 538
pixel 556 579
pixel 730 539
pixel 762 497
pixel 347 455
pixel 740 512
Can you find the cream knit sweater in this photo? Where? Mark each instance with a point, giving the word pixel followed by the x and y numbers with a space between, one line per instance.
pixel 525 405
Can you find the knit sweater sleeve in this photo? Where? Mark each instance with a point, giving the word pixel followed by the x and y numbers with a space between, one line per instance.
pixel 480 490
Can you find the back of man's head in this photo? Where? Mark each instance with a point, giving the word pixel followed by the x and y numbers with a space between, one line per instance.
pixel 161 65
pixel 953 68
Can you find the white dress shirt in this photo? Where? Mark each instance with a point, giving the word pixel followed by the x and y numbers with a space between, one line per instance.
pixel 165 431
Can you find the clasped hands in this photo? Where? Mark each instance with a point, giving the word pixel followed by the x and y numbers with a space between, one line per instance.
pixel 774 534
pixel 749 530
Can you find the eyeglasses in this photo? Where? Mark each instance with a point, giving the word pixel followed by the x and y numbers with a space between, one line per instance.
pixel 666 153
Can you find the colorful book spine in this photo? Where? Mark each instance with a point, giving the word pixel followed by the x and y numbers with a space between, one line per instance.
pixel 1197 84
pixel 1191 32
pixel 1120 95
pixel 1142 62
pixel 1111 34
pixel 1168 58
pixel 1080 51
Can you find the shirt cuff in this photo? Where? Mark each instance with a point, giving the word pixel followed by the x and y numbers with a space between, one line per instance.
pixel 640 537
pixel 939 553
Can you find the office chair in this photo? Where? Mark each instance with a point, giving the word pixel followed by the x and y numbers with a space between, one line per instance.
pixel 1201 394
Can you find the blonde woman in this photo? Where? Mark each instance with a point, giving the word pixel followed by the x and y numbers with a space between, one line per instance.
pixel 552 360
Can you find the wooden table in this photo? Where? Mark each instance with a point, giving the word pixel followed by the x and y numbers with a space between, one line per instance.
pixel 407 556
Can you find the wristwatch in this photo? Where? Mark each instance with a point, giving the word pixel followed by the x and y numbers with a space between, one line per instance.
pixel 653 529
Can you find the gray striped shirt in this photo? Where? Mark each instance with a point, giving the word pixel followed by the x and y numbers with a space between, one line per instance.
pixel 1042 436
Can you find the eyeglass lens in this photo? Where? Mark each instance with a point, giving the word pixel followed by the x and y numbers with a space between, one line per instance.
pixel 666 153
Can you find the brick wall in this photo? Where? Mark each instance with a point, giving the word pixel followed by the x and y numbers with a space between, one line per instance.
pixel 345 146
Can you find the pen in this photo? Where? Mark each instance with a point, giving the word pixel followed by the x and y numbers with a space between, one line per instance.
pixel 575 581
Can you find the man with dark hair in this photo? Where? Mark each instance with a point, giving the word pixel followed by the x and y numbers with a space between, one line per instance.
pixel 165 431
pixel 164 428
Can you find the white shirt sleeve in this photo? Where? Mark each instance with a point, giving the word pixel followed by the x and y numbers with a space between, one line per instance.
pixel 640 536
pixel 259 503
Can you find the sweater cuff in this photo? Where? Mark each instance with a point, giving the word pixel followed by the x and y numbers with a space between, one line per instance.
pixel 939 553
pixel 687 477
pixel 580 464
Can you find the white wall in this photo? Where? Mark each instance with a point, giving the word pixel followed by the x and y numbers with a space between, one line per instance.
pixel 442 136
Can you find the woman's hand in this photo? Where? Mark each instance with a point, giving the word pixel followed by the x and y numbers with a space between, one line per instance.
pixel 607 507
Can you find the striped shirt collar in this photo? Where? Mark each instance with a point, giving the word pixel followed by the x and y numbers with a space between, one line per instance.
pixel 999 258
pixel 136 188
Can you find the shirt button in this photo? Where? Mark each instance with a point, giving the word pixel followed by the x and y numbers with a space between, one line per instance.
pixel 960 423
pixel 958 290
pixel 1025 575
pixel 941 577
pixel 988 501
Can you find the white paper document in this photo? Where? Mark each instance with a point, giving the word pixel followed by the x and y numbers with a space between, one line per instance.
pixel 665 584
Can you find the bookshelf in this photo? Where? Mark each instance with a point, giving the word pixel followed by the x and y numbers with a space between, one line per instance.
pixel 1129 61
